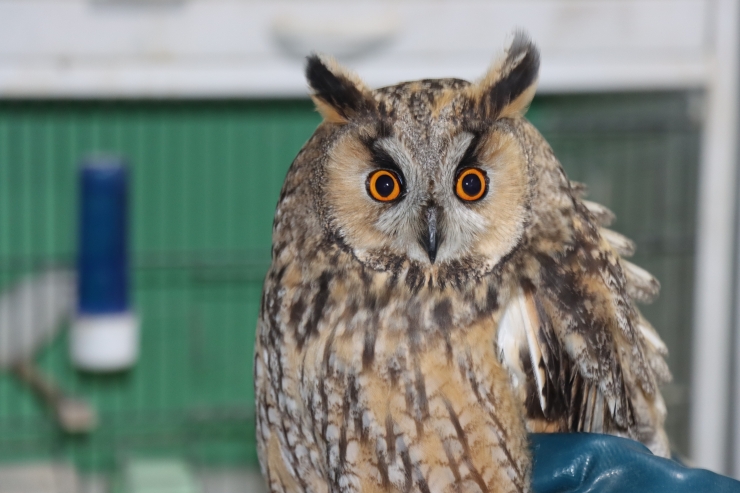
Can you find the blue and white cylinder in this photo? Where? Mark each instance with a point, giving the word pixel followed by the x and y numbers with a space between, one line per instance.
pixel 105 333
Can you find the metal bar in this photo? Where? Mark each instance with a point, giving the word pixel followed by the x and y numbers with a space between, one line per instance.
pixel 714 261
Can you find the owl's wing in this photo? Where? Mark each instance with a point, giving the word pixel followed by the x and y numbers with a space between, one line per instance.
pixel 580 355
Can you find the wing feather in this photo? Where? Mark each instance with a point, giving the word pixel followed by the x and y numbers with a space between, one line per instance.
pixel 578 189
pixel 620 243
pixel 580 355
pixel 601 215
pixel 656 350
pixel 641 285
pixel 551 386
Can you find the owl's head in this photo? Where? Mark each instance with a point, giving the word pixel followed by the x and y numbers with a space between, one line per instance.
pixel 431 171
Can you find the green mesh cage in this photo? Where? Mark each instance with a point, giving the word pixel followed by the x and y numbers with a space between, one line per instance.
pixel 206 176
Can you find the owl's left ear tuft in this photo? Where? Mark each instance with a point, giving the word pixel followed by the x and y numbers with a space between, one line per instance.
pixel 339 95
pixel 509 85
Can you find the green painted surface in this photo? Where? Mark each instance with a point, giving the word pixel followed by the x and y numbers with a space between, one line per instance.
pixel 205 180
pixel 206 176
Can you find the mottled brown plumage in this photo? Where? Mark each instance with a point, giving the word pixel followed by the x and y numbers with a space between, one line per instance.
pixel 410 345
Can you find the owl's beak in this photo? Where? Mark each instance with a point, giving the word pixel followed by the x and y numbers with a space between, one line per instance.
pixel 430 239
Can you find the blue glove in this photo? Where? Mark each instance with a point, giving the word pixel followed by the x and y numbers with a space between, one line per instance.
pixel 594 463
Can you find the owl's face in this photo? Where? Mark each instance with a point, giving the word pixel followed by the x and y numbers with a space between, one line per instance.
pixel 429 171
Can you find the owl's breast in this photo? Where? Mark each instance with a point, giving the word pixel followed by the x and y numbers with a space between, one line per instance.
pixel 386 385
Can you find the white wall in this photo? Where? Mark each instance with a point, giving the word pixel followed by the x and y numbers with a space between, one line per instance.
pixel 221 48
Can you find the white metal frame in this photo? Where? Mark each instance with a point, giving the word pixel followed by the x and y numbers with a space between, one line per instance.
pixel 240 48
pixel 713 293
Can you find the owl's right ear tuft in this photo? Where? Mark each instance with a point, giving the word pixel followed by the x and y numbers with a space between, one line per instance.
pixel 339 95
pixel 509 86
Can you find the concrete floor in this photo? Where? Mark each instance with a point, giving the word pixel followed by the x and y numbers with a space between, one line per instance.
pixel 210 481
pixel 60 478
pixel 232 481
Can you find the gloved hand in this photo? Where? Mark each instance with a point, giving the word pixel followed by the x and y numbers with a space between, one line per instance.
pixel 595 463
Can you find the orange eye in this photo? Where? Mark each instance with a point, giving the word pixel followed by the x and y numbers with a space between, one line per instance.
pixel 472 184
pixel 383 185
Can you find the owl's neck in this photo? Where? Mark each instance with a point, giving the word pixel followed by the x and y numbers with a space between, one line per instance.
pixel 335 294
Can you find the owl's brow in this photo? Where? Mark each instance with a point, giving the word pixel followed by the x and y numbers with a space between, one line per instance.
pixel 469 158
pixel 382 158
pixel 475 126
pixel 384 129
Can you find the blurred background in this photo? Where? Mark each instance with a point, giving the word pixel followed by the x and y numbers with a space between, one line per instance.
pixel 205 102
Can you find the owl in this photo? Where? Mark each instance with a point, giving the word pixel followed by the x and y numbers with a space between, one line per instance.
pixel 438 289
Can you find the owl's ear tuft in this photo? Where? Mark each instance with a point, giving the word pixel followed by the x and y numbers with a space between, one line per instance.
pixel 339 95
pixel 509 85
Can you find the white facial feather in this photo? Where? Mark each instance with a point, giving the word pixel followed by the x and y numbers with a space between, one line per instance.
pixel 462 222
pixel 401 221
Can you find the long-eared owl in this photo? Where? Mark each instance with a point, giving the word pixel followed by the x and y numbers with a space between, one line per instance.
pixel 439 288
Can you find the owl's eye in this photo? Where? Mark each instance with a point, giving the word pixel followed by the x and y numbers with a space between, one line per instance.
pixel 383 185
pixel 471 184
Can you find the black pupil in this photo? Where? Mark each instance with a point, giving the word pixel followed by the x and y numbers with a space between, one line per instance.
pixel 471 184
pixel 384 185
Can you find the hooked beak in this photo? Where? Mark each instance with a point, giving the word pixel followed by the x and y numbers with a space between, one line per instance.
pixel 430 237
